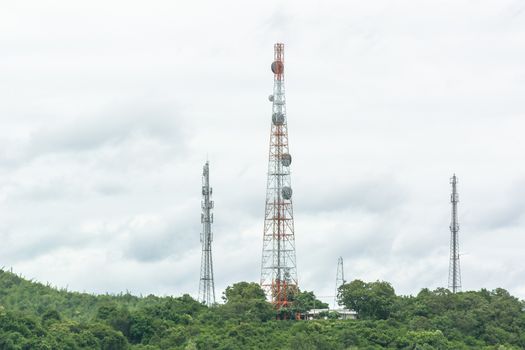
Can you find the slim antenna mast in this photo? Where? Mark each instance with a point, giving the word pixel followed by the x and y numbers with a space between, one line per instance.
pixel 454 273
pixel 339 279
pixel 206 284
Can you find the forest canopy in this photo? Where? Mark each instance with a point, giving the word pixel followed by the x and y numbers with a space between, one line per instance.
pixel 35 316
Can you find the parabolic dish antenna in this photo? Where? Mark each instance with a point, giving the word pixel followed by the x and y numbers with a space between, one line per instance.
pixel 287 192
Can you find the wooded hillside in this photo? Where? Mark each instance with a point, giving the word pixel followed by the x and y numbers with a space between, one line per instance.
pixel 35 316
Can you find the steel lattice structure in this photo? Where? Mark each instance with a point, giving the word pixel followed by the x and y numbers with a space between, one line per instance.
pixel 279 270
pixel 454 273
pixel 339 279
pixel 206 284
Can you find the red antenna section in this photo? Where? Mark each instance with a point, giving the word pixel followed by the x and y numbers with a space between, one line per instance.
pixel 278 63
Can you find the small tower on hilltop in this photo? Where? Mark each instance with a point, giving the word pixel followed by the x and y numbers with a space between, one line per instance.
pixel 278 267
pixel 339 279
pixel 454 273
pixel 206 284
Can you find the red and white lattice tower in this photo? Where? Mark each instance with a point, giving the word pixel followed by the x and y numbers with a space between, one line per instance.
pixel 278 270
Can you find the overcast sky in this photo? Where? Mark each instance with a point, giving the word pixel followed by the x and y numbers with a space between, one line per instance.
pixel 109 109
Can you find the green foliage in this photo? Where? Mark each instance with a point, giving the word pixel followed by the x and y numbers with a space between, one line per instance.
pixel 116 317
pixel 373 300
pixel 34 316
pixel 245 302
pixel 304 301
pixel 427 340
pixel 243 291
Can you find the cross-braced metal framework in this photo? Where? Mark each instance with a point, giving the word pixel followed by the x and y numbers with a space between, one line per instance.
pixel 206 284
pixel 279 270
pixel 339 279
pixel 454 273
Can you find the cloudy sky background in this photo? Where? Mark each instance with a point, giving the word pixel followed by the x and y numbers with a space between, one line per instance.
pixel 109 109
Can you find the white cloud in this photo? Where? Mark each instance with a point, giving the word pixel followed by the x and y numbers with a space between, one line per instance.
pixel 110 109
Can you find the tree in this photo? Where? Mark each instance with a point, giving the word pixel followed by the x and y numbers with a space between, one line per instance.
pixel 109 338
pixel 246 301
pixel 373 300
pixel 115 316
pixel 304 301
pixel 243 291
pixel 427 340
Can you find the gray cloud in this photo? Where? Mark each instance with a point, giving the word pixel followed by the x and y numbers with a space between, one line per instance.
pixel 153 239
pixel 365 195
pixel 28 243
pixel 88 133
pixel 506 210
pixel 104 130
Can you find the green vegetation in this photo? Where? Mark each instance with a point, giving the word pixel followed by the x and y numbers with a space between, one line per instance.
pixel 34 316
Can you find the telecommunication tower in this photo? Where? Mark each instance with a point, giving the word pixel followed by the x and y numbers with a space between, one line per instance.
pixel 454 273
pixel 206 284
pixel 278 267
pixel 339 279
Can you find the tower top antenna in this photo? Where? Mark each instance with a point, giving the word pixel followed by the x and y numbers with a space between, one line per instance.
pixel 454 273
